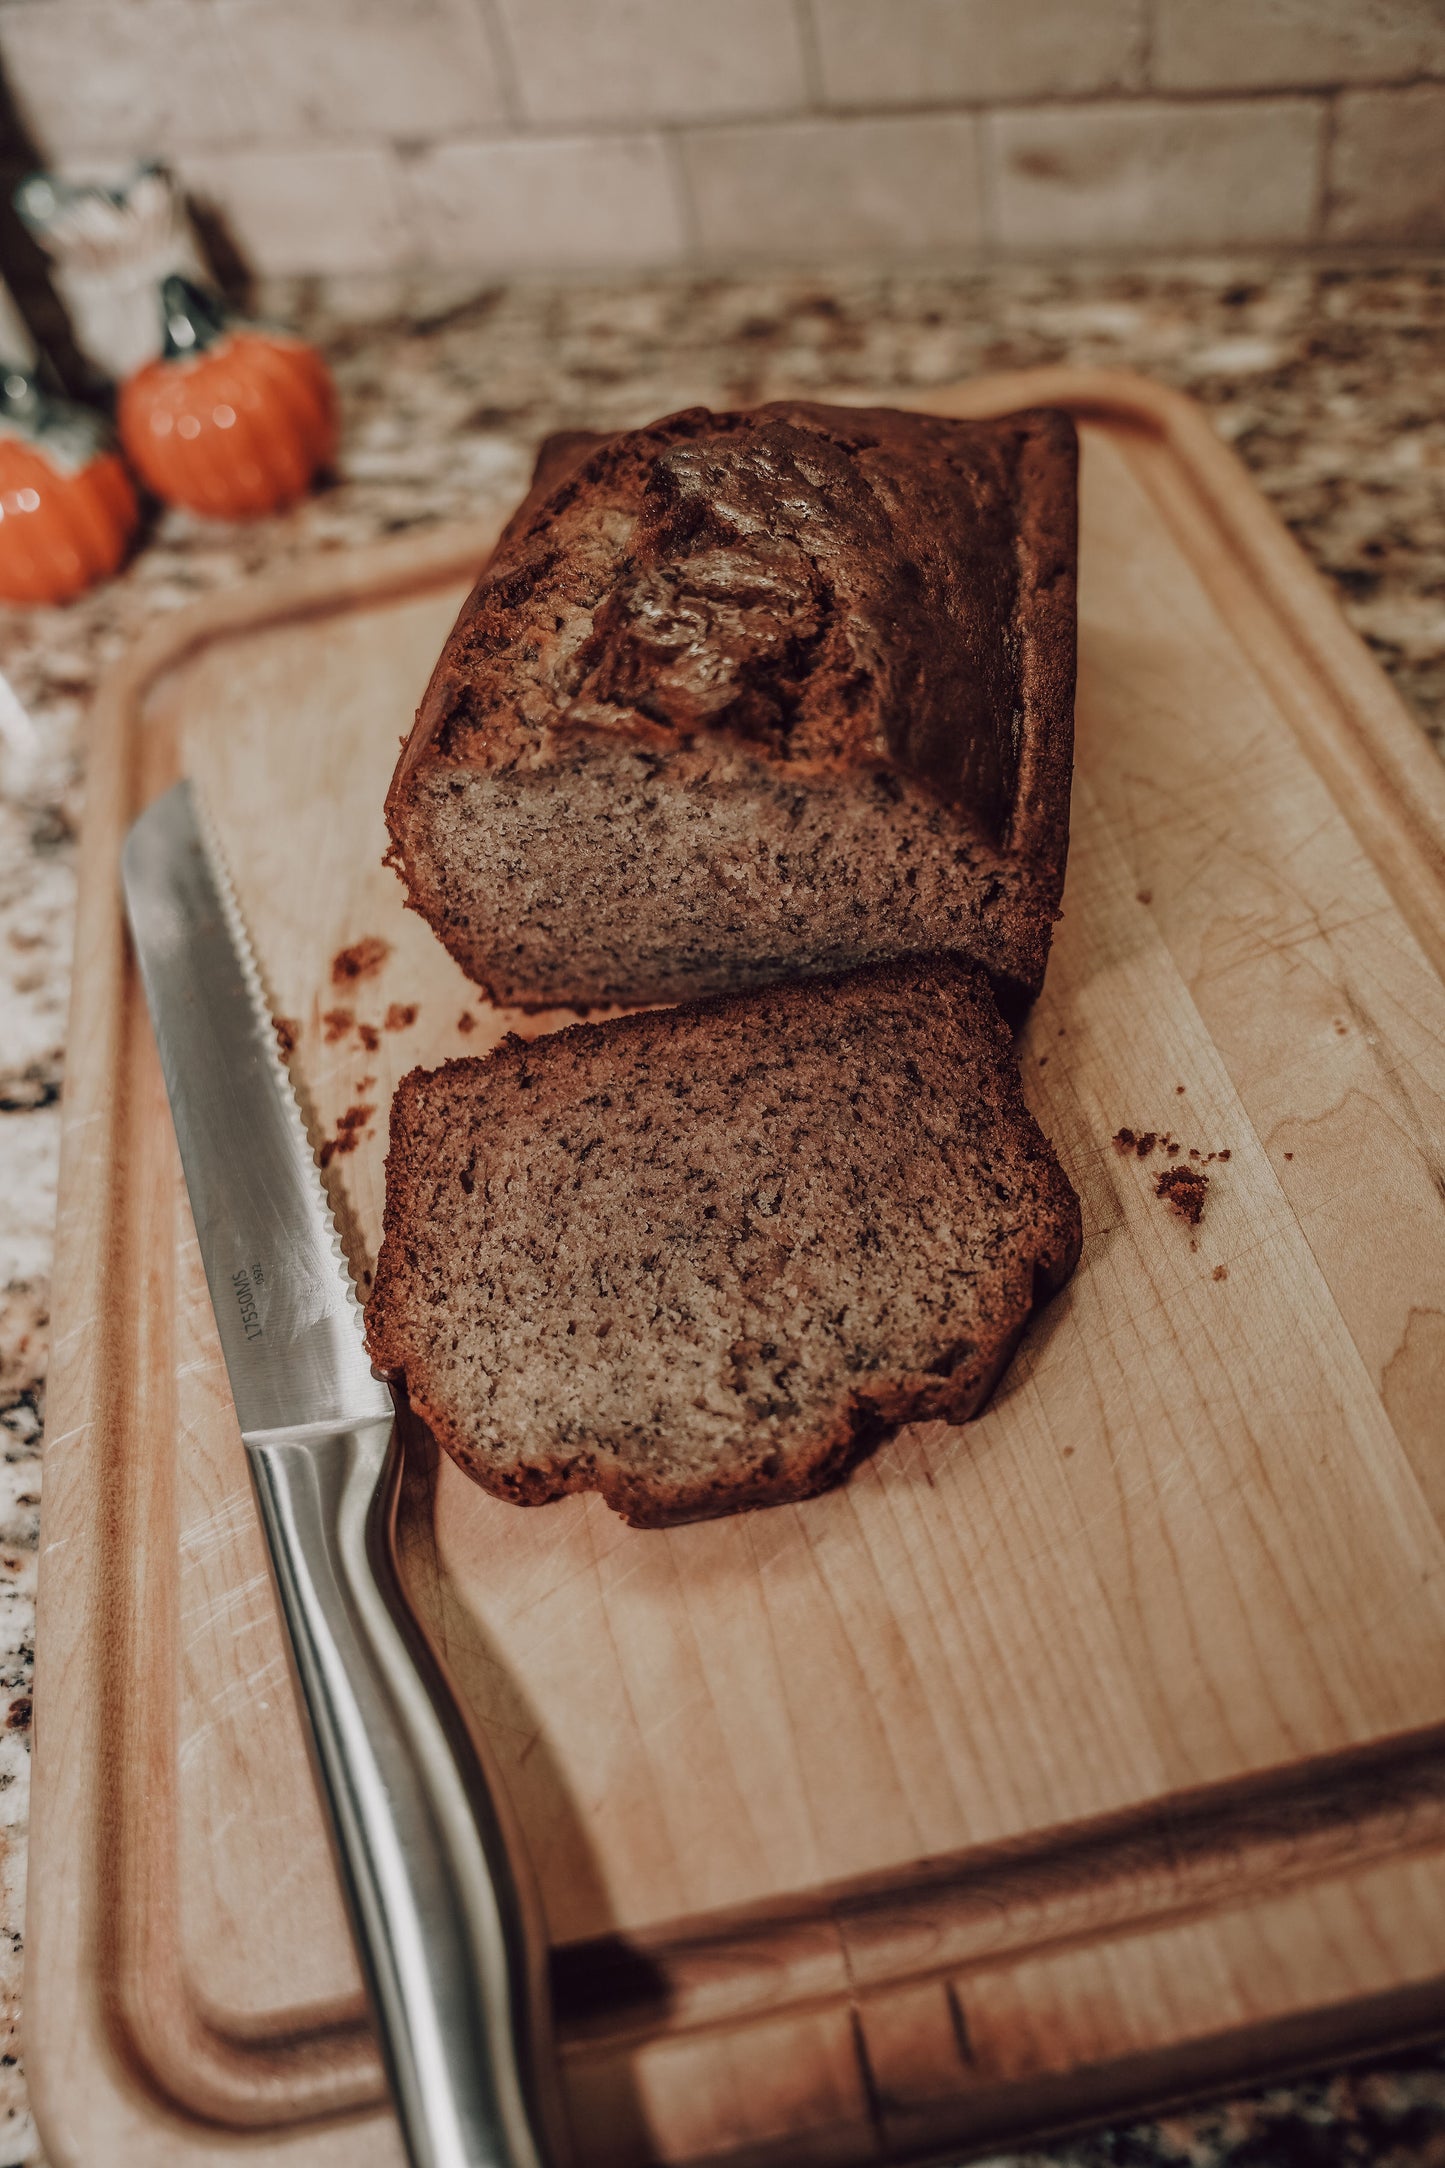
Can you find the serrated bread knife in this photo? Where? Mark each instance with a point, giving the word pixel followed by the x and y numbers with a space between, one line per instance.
pixel 436 1908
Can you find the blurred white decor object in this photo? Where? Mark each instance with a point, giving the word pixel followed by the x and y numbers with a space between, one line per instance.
pixel 112 243
pixel 19 742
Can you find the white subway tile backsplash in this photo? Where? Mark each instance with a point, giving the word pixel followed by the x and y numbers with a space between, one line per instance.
pixel 1156 175
pixel 354 137
pixel 1293 44
pixel 292 211
pixel 363 69
pixel 123 81
pixel 647 60
pixel 537 203
pixel 1387 166
pixel 915 52
pixel 847 187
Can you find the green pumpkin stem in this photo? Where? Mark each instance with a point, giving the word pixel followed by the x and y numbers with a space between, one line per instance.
pixel 194 318
pixel 69 435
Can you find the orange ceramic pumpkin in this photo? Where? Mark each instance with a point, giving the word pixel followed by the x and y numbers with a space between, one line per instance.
pixel 230 420
pixel 67 510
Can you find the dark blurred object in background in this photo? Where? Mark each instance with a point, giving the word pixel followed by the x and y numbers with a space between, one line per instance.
pixel 26 270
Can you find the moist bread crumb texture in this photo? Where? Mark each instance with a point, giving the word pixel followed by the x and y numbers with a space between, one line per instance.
pixel 704 1258
pixel 743 696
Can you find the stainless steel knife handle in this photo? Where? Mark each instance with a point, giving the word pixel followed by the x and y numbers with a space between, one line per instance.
pixel 434 1904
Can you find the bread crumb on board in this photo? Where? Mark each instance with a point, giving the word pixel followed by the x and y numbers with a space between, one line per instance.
pixel 1141 1142
pixel 1183 1189
pixel 401 1015
pixel 349 1128
pixel 362 960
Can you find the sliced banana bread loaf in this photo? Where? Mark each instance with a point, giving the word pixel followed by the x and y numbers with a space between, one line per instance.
pixel 704 1258
pixel 747 695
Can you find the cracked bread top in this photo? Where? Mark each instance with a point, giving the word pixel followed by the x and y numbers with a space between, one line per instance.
pixel 831 586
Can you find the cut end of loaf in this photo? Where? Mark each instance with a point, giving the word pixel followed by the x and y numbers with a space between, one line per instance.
pixel 615 878
pixel 705 1258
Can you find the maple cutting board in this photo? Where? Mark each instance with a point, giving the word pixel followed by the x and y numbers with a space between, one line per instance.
pixel 1081 1759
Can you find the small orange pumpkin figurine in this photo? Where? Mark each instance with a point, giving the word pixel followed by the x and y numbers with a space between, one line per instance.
pixel 230 420
pixel 67 510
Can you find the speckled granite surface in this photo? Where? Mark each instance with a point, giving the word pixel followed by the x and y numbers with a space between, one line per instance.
pixel 1330 382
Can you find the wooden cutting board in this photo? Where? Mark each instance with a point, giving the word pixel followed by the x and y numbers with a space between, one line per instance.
pixel 1082 1759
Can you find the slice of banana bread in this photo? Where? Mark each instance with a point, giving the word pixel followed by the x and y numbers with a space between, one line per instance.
pixel 747 695
pixel 704 1258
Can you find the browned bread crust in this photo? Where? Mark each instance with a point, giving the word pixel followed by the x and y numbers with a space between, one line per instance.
pixel 743 695
pixel 704 1258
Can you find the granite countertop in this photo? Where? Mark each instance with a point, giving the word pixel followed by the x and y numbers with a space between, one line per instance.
pixel 1330 382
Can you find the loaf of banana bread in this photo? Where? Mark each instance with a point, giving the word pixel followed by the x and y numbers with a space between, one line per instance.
pixel 747 695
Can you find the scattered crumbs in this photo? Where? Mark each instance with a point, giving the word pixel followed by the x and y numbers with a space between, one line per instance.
pixel 1225 1153
pixel 1145 1142
pixel 287 1031
pixel 1221 1272
pixel 1342 1028
pixel 466 1021
pixel 1068 1449
pixel 1145 895
pixel 1124 1140
pixel 369 1036
pixel 401 1016
pixel 361 961
pixel 1183 1190
pixel 1140 1142
pixel 337 1023
pixel 1043 1061
pixel 364 1084
pixel 1193 1152
pixel 1173 1150
pixel 1289 1155
pixel 1179 1087
pixel 348 1133
pixel 1062 1032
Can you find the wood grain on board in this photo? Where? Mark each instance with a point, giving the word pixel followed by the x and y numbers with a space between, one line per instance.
pixel 1082 1758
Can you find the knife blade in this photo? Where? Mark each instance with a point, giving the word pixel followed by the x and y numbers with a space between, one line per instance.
pixel 286 1311
pixel 448 1941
